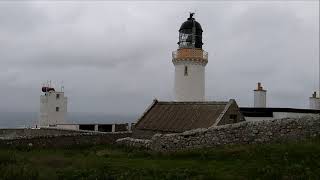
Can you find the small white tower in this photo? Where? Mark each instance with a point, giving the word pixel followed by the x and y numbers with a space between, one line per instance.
pixel 314 101
pixel 53 107
pixel 260 97
pixel 189 62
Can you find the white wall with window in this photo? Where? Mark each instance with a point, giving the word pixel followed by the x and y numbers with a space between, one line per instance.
pixel 53 109
pixel 189 82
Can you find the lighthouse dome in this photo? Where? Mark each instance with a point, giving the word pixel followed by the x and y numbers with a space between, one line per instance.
pixel 187 25
pixel 190 34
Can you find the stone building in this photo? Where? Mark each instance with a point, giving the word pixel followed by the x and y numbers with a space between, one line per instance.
pixel 173 117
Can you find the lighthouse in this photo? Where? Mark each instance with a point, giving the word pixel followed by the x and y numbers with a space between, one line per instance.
pixel 189 62
pixel 53 107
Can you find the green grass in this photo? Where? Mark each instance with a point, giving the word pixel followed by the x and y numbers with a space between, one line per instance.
pixel 274 161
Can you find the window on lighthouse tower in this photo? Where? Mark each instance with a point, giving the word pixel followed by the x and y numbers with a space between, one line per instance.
pixel 186 71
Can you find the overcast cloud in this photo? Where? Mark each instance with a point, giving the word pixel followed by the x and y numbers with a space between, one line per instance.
pixel 115 58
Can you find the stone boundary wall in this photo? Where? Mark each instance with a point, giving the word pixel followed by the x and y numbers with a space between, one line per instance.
pixel 65 140
pixel 131 142
pixel 270 131
pixel 28 132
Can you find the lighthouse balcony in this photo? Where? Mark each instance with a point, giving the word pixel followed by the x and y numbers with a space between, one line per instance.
pixel 190 54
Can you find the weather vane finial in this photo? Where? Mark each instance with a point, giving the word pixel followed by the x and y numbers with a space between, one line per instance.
pixel 191 14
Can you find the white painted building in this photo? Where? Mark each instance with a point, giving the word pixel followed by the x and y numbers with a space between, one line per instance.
pixel 314 100
pixel 53 107
pixel 261 112
pixel 258 114
pixel 260 97
pixel 189 62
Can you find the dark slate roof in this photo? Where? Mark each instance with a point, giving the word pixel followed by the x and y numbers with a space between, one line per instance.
pixel 268 112
pixel 180 116
pixel 189 25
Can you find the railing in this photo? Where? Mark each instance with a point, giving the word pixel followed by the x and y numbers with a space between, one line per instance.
pixel 190 53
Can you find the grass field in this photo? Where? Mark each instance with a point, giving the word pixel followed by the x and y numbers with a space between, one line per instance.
pixel 276 161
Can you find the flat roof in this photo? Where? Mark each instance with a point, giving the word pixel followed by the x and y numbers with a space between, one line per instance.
pixel 93 124
pixel 268 112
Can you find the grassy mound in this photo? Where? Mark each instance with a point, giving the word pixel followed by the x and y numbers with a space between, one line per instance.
pixel 274 161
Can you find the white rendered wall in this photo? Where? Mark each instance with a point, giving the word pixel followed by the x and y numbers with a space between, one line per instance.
pixel 48 114
pixel 189 87
pixel 279 115
pixel 260 98
pixel 68 126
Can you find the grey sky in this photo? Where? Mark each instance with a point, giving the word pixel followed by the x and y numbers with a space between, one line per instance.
pixel 116 57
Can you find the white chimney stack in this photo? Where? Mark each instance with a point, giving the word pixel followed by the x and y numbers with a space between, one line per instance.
pixel 314 101
pixel 260 97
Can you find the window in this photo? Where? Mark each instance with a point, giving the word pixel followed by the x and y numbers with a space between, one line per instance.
pixel 57 109
pixel 57 96
pixel 185 40
pixel 186 70
pixel 233 117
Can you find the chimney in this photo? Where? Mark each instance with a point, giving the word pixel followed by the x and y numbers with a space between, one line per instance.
pixel 260 97
pixel 314 101
pixel 260 88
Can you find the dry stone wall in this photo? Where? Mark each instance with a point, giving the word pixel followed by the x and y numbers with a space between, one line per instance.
pixel 131 142
pixel 28 132
pixel 270 131
pixel 49 137
pixel 66 140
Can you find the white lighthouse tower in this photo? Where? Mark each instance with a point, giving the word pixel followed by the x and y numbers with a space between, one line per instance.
pixel 189 62
pixel 53 107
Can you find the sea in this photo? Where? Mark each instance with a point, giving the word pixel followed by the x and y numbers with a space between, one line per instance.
pixel 29 119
